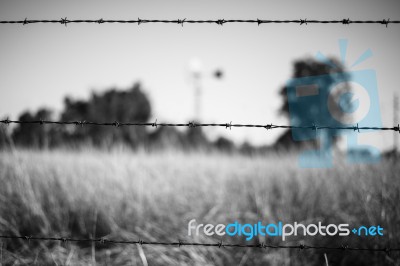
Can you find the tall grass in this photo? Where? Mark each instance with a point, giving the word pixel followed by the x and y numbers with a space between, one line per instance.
pixel 153 196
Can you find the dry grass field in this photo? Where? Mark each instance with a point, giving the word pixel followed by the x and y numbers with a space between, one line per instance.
pixel 153 196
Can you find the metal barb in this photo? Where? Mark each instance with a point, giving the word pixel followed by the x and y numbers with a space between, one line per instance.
pixel 7 121
pixel 181 21
pixel 192 124
pixel 346 21
pixel 80 123
pixel 387 250
pixel 262 245
pixel 386 22
pixel 64 21
pixel 303 21
pixel 221 22
pixel 356 128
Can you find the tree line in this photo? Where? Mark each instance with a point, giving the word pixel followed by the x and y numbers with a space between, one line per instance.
pixel 133 105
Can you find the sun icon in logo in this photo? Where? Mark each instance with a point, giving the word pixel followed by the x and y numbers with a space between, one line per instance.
pixel 348 101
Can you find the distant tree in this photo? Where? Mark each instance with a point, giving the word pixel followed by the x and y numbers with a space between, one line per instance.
pixel 33 135
pixel 166 138
pixel 113 105
pixel 224 144
pixel 196 139
pixel 247 149
pixel 309 68
pixel 5 137
pixel 75 110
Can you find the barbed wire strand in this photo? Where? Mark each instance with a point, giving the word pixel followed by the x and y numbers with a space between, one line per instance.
pixel 194 124
pixel 180 243
pixel 64 21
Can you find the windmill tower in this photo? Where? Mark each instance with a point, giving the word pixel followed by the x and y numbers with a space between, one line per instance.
pixel 395 122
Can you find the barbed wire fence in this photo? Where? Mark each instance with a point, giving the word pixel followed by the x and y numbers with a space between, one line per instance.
pixel 180 243
pixel 229 125
pixel 65 21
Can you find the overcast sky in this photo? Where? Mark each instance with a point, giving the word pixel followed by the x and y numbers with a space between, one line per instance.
pixel 42 63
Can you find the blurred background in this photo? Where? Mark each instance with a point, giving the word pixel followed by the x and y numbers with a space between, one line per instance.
pixel 41 65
